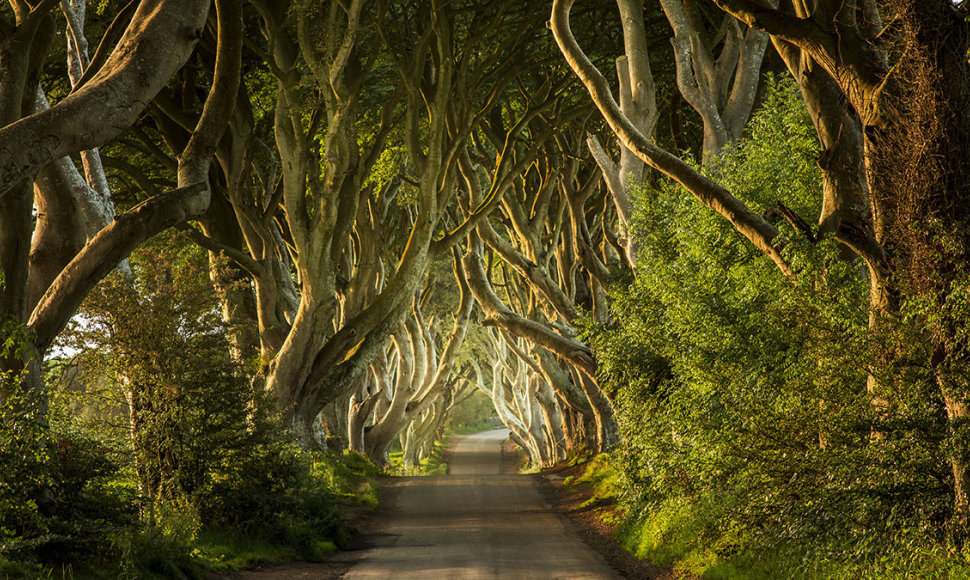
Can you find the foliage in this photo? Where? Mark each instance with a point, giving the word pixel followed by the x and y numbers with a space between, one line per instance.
pixel 601 476
pixel 203 473
pixel 55 499
pixel 742 397
pixel 350 475
pixel 766 430
pixel 472 414
pixel 433 464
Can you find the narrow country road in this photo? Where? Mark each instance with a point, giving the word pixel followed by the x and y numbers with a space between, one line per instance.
pixel 475 523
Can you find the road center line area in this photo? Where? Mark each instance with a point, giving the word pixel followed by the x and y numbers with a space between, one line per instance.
pixel 475 523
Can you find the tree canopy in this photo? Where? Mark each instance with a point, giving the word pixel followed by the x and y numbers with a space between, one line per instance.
pixel 724 241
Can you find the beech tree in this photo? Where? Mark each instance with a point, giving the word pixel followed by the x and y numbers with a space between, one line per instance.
pixel 424 377
pixel 885 83
pixel 335 255
pixel 141 50
pixel 551 269
pixel 404 204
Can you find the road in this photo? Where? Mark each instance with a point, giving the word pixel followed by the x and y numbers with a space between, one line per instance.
pixel 475 523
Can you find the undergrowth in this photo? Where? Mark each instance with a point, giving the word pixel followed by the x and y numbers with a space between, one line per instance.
pixel 692 536
pixel 150 454
pixel 110 541
pixel 751 446
pixel 433 464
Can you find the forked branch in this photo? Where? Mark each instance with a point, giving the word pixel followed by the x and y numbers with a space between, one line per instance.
pixel 748 223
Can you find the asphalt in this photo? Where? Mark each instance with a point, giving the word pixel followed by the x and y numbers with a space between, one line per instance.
pixel 475 523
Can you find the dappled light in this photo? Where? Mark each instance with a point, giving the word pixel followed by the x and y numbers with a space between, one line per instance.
pixel 475 523
pixel 483 289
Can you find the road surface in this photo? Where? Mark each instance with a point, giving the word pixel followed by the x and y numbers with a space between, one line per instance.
pixel 475 523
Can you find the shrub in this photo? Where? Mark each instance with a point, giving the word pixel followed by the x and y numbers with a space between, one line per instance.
pixel 742 398
pixel 156 441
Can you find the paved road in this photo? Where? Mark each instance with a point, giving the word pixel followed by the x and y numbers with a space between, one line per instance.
pixel 476 523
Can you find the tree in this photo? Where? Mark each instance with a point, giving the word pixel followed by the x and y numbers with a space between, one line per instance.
pixel 157 338
pixel 357 276
pixel 106 100
pixel 906 218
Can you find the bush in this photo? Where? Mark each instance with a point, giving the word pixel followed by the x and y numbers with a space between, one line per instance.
pixel 58 500
pixel 155 443
pixel 741 397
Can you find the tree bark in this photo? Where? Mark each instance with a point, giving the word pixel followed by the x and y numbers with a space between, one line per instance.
pixel 117 240
pixel 746 222
pixel 158 41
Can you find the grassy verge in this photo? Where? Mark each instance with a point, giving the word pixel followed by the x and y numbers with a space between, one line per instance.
pixel 602 480
pixel 306 522
pixel 350 479
pixel 222 551
pixel 433 464
pixel 696 537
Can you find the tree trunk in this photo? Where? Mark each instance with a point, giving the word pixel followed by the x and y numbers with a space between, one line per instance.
pixel 917 140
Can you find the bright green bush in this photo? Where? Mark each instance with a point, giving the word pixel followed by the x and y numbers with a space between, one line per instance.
pixel 203 464
pixel 57 501
pixel 741 396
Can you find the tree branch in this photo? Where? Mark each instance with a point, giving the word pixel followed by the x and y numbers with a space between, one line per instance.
pixel 111 245
pixel 235 254
pixel 155 45
pixel 745 221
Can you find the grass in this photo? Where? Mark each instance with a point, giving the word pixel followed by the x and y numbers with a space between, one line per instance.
pixel 221 552
pixel 676 534
pixel 350 476
pixel 695 536
pixel 433 464
pixel 599 475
